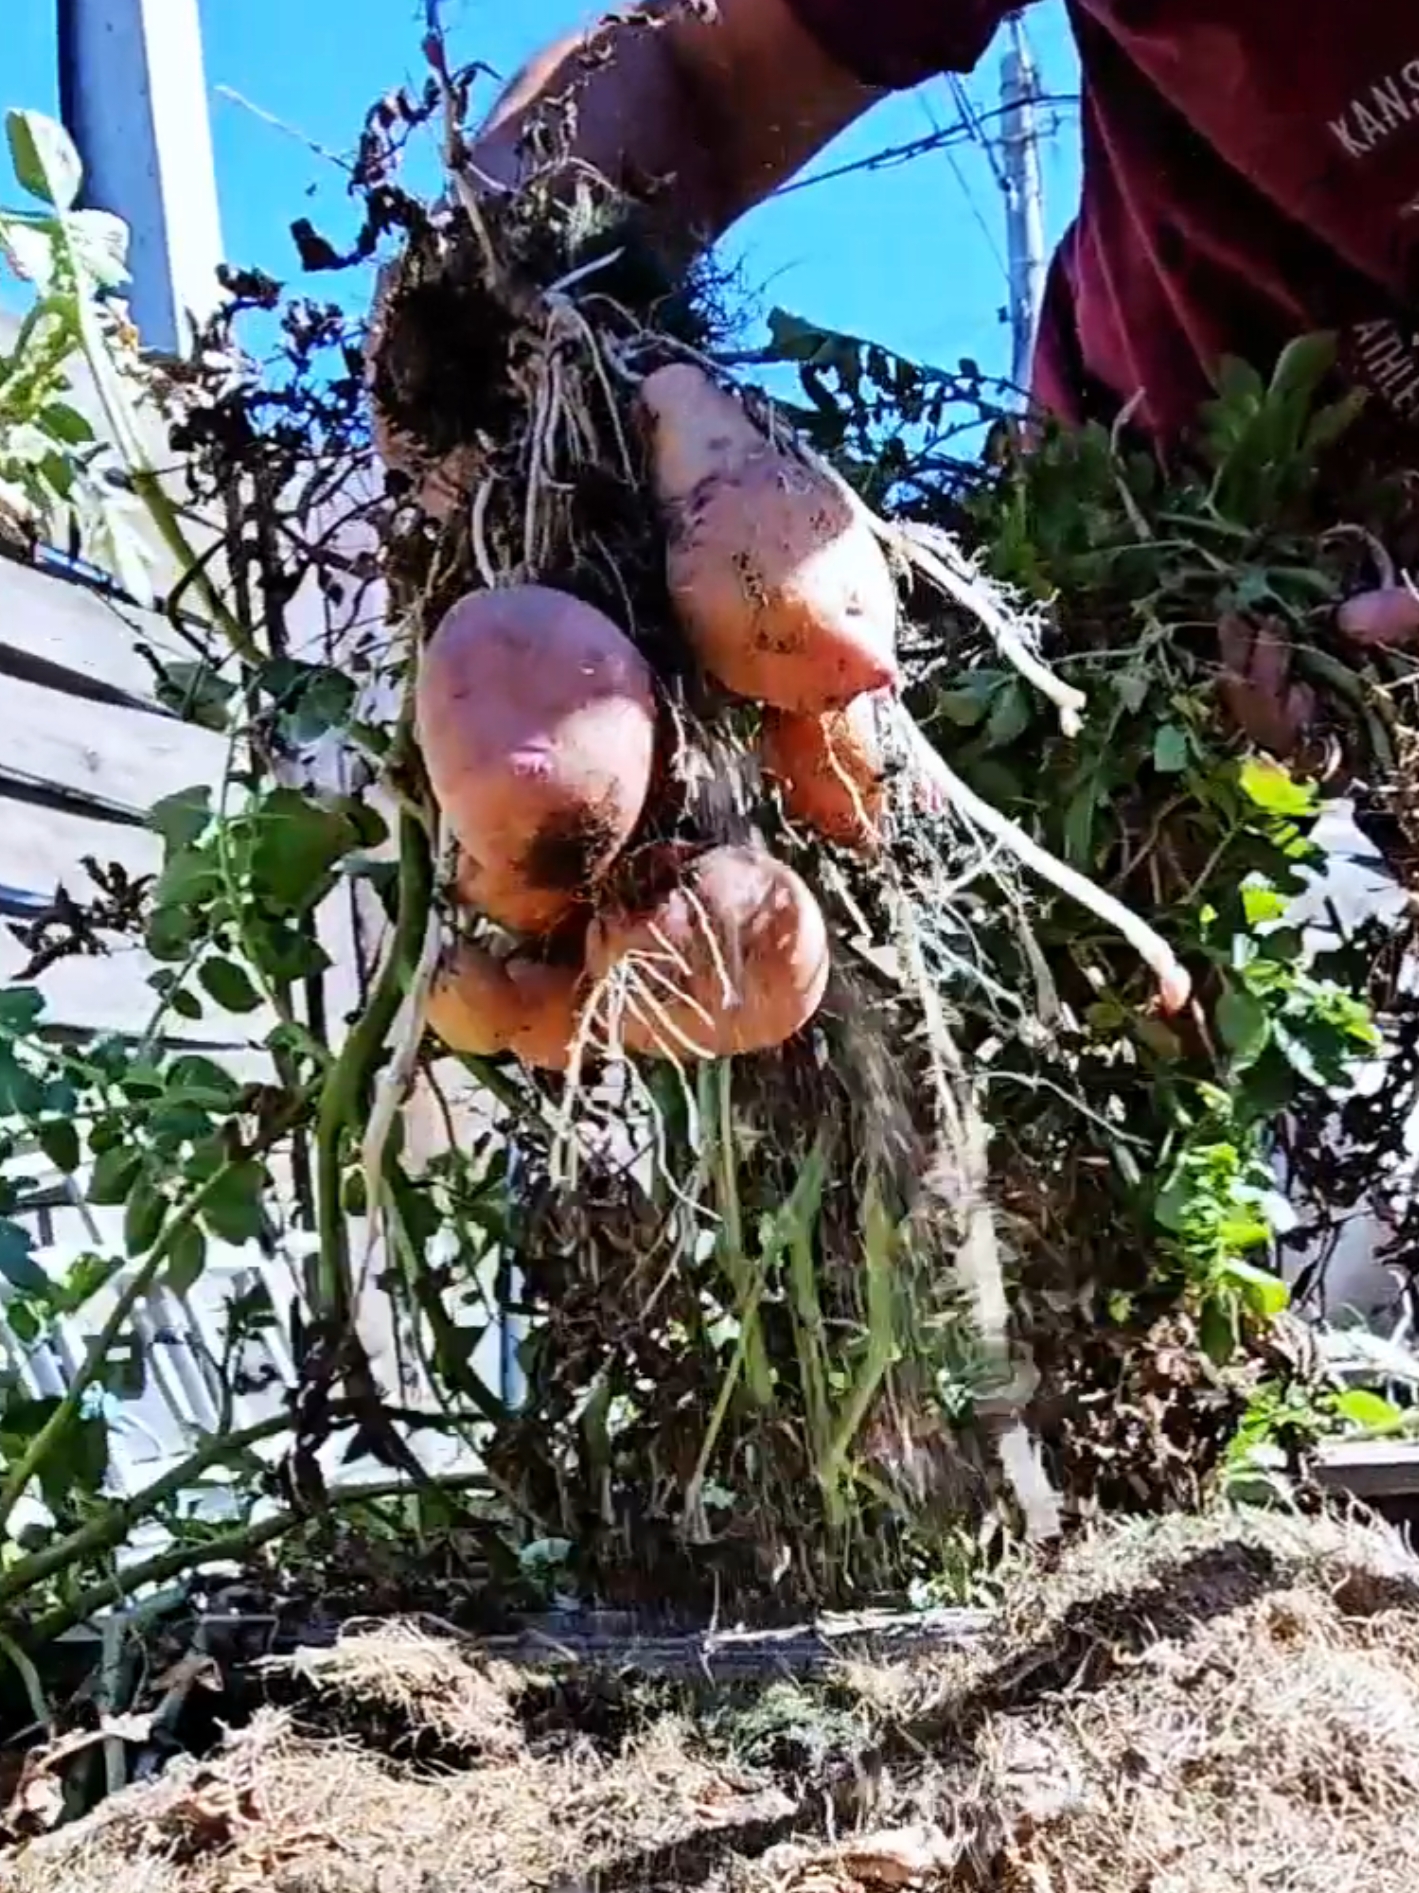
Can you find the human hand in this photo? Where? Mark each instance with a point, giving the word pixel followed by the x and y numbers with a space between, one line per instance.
pixel 1257 687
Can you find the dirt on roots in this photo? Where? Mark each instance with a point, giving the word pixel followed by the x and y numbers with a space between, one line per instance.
pixel 1227 1705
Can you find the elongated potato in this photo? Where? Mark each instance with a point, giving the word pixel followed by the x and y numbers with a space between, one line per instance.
pixel 536 718
pixel 483 1004
pixel 722 952
pixel 784 593
pixel 830 769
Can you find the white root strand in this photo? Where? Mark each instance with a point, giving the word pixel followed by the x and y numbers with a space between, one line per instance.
pixel 937 558
pixel 1174 984
pixel 935 554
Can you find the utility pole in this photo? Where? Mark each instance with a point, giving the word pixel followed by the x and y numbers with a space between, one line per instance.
pixel 133 95
pixel 1024 195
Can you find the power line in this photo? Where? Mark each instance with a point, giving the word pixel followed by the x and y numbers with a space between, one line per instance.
pixel 890 156
pixel 982 222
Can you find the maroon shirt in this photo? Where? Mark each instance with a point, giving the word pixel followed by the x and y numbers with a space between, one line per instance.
pixel 1251 173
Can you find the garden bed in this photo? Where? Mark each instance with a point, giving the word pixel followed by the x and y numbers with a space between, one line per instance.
pixel 1180 1706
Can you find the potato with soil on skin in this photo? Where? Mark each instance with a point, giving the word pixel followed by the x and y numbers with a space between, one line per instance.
pixel 833 774
pixel 537 721
pixel 483 1004
pixel 781 588
pixel 830 770
pixel 720 952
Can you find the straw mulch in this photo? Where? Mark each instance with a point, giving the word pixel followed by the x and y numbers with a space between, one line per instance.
pixel 1218 1706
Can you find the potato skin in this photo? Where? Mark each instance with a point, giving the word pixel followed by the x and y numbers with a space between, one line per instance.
pixel 830 770
pixel 1387 618
pixel 536 717
pixel 783 591
pixel 751 986
pixel 482 1005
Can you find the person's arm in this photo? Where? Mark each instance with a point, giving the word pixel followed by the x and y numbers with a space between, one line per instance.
pixel 720 101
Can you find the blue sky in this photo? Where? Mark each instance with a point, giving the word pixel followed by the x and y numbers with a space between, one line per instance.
pixel 911 256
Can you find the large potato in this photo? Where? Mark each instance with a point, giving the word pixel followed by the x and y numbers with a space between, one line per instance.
pixel 782 589
pixel 536 718
pixel 716 953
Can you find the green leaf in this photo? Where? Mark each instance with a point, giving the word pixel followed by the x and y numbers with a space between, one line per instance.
pixel 1171 750
pixel 1217 1329
pixel 1079 821
pixel 200 1082
pixel 1270 787
pixel 21 1009
pixel 233 1210
pixel 1264 1293
pixel 66 424
pixel 190 878
pixel 184 818
pixel 229 985
pixel 186 1004
pixel 144 1216
pixel 17 1263
pixel 1262 905
pixel 1009 716
pixel 1303 365
pixel 1369 1410
pixel 1244 1024
pixel 114 1175
pixel 60 1143
pixel 45 159
pixel 100 241
pixel 297 844
pixel 186 1260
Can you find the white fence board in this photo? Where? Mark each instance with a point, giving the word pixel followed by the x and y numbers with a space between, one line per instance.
pixel 78 628
pixel 42 848
pixel 127 759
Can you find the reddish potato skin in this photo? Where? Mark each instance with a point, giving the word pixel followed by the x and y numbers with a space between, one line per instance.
pixel 782 590
pixel 830 771
pixel 1388 618
pixel 537 721
pixel 770 943
pixel 483 1005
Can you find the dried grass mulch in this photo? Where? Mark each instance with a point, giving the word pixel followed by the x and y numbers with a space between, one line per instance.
pixel 1228 1705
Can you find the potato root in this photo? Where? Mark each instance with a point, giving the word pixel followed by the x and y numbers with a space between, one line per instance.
pixel 713 954
pixel 781 587
pixel 483 1004
pixel 537 721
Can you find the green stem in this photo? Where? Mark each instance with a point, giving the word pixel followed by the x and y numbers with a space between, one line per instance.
pixel 231 1547
pixel 345 1097
pixel 118 1519
pixel 63 1415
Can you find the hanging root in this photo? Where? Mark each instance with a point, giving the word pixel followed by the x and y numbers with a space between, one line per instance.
pixel 961 1177
pixel 1174 984
pixel 937 557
